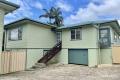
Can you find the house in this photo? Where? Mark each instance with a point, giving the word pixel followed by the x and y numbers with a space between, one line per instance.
pixel 89 43
pixel 30 35
pixel 5 8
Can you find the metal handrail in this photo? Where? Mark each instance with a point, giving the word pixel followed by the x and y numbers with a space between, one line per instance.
pixel 51 53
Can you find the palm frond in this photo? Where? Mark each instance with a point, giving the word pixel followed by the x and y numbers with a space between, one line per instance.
pixel 46 16
pixel 46 10
pixel 53 14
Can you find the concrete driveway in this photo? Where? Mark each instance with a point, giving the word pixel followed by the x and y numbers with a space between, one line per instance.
pixel 66 72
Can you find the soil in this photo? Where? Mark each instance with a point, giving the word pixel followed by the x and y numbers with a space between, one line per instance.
pixel 66 72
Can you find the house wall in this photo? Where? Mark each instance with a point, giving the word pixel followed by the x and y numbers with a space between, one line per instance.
pixel 40 37
pixel 19 43
pixel 33 36
pixel 63 56
pixel 89 41
pixel 35 40
pixel 2 13
pixel 33 55
pixel 106 56
pixel 93 57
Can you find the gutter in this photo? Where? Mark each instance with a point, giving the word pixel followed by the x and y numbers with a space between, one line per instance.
pixel 26 20
pixel 9 3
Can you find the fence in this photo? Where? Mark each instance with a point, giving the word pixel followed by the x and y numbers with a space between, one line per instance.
pixel 116 54
pixel 12 61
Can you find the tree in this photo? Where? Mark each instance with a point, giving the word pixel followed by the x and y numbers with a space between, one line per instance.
pixel 54 14
pixel 57 16
pixel 47 15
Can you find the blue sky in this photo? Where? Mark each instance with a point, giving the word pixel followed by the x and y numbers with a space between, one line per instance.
pixel 74 11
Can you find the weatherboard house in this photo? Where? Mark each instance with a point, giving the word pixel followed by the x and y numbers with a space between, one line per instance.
pixel 90 43
pixel 5 8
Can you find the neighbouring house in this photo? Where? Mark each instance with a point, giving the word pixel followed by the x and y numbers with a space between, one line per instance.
pixel 5 8
pixel 89 43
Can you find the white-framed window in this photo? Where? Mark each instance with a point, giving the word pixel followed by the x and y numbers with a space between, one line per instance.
pixel 76 34
pixel 58 36
pixel 15 34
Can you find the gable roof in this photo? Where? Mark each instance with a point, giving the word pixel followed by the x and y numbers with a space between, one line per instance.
pixel 114 24
pixel 88 23
pixel 26 20
pixel 8 6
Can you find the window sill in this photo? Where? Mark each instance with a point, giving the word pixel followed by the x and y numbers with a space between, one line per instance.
pixel 15 40
pixel 75 39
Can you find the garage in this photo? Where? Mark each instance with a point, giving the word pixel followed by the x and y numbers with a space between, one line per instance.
pixel 78 56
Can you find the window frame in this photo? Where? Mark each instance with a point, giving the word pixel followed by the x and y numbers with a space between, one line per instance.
pixel 75 34
pixel 19 35
pixel 108 37
pixel 59 37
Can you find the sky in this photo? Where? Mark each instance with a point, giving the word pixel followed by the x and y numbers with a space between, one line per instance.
pixel 73 11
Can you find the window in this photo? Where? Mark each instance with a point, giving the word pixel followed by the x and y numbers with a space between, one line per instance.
pixel 58 36
pixel 15 34
pixel 105 37
pixel 75 34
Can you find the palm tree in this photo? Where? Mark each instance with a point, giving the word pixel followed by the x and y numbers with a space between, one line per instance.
pixel 47 15
pixel 55 14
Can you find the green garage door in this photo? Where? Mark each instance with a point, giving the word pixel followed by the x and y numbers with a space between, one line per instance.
pixel 78 56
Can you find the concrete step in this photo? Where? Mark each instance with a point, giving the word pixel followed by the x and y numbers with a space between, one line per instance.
pixel 39 65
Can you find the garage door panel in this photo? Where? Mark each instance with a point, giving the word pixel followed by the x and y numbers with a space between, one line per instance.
pixel 78 56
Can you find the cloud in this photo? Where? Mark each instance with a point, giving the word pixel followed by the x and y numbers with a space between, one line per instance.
pixel 38 5
pixel 25 10
pixel 106 8
pixel 64 5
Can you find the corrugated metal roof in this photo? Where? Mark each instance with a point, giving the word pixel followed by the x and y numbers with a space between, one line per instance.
pixel 86 23
pixel 26 19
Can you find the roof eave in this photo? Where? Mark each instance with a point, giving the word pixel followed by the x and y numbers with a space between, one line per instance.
pixel 26 20
pixel 76 26
pixel 8 6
